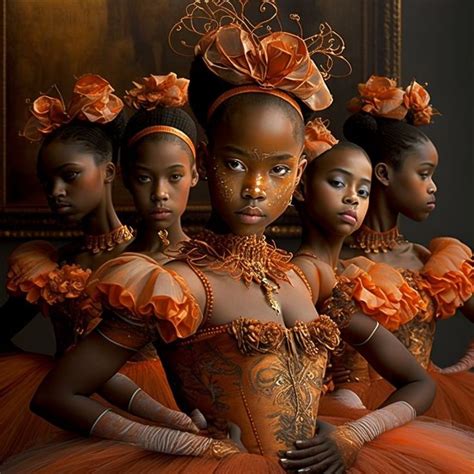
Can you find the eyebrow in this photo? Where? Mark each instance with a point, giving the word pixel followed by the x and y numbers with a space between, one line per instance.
pixel 177 165
pixel 250 154
pixel 348 173
pixel 427 163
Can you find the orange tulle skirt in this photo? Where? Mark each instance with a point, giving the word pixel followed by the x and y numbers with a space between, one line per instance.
pixel 421 447
pixel 20 376
pixel 453 403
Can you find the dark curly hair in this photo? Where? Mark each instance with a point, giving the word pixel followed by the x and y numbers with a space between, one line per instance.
pixel 170 116
pixel 384 140
pixel 205 87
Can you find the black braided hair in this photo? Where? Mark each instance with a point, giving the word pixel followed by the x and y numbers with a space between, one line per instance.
pixel 169 116
pixel 384 140
pixel 102 140
pixel 205 87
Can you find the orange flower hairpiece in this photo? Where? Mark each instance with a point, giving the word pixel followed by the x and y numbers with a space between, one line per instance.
pixel 92 101
pixel 417 101
pixel 154 91
pixel 318 138
pixel 381 97
pixel 243 52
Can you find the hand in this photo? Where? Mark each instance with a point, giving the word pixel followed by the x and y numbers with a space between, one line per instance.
pixel 235 435
pixel 341 375
pixel 319 454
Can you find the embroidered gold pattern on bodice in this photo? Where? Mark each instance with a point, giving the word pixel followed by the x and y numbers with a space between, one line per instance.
pixel 263 377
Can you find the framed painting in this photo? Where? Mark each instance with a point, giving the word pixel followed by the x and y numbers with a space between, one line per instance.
pixel 51 42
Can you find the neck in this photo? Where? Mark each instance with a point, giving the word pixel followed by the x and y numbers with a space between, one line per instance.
pixel 148 241
pixel 380 216
pixel 103 219
pixel 325 246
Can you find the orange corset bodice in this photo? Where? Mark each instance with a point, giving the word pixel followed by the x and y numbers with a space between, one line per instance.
pixel 263 377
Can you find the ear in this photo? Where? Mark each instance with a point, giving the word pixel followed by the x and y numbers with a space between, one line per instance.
pixel 110 172
pixel 194 176
pixel 299 192
pixel 201 159
pixel 383 173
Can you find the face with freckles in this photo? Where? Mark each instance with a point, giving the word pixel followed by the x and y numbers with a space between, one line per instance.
pixel 410 188
pixel 253 166
pixel 335 191
pixel 73 181
pixel 160 179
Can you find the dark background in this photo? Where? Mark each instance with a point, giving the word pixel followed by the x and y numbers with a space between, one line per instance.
pixel 437 47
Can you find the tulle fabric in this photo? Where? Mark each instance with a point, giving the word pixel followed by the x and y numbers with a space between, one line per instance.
pixel 20 376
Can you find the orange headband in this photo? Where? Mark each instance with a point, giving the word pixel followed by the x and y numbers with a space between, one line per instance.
pixel 249 89
pixel 163 129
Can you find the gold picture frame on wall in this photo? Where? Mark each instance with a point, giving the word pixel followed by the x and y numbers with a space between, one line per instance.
pixel 46 42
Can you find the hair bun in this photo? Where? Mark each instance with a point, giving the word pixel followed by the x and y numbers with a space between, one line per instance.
pixel 361 128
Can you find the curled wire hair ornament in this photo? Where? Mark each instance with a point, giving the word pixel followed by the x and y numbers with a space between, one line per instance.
pixel 204 16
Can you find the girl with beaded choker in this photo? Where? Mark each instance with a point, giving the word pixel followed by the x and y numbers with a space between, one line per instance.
pixel 436 281
pixel 76 166
pixel 234 319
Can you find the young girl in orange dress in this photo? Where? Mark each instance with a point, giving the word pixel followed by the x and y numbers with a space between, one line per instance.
pixel 234 319
pixel 76 166
pixel 428 284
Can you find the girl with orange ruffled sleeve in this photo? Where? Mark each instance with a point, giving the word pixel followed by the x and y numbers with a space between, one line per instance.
pixel 76 164
pixel 437 280
pixel 234 319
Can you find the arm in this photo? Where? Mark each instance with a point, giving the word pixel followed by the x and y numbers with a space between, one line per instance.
pixel 63 399
pixel 467 309
pixel 15 314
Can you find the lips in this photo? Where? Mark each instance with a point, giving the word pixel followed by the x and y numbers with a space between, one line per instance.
pixel 160 213
pixel 431 204
pixel 349 216
pixel 250 215
pixel 60 207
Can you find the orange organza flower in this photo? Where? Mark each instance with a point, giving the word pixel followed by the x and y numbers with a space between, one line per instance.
pixel 47 114
pixel 279 60
pixel 63 283
pixel 380 97
pixel 318 138
pixel 93 100
pixel 417 101
pixel 154 91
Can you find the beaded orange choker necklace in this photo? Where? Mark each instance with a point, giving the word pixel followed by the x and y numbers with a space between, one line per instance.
pixel 372 241
pixel 247 258
pixel 108 241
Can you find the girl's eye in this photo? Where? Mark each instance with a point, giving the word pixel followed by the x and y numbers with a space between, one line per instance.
pixel 424 175
pixel 364 192
pixel 143 179
pixel 174 178
pixel 235 165
pixel 69 176
pixel 280 170
pixel 336 183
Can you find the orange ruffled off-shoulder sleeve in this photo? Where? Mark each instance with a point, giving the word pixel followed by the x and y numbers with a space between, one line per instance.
pixel 448 275
pixel 381 292
pixel 29 267
pixel 138 288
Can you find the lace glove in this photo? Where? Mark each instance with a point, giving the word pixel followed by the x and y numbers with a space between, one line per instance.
pixel 350 437
pixel 110 425
pixel 465 363
pixel 144 406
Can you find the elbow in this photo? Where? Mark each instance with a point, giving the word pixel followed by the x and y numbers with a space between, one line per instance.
pixel 429 389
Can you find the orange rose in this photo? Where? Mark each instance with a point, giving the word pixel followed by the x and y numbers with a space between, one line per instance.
pixel 318 138
pixel 77 279
pixel 380 97
pixel 47 114
pixel 279 60
pixel 417 101
pixel 93 100
pixel 154 91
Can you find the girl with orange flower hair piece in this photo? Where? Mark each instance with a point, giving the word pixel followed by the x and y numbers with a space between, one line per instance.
pixel 433 282
pixel 233 318
pixel 76 166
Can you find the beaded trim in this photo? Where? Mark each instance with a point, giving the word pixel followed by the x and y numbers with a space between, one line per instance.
pixel 372 241
pixel 108 241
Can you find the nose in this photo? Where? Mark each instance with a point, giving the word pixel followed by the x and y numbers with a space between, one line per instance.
pixel 432 188
pixel 253 189
pixel 160 192
pixel 350 197
pixel 56 189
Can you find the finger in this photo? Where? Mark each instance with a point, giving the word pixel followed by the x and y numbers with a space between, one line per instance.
pixel 198 419
pixel 321 466
pixel 336 469
pixel 308 443
pixel 308 452
pixel 296 464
